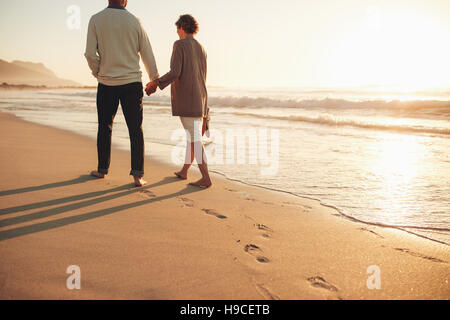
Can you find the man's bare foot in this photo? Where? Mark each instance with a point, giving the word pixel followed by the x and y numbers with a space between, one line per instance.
pixel 181 175
pixel 98 174
pixel 202 183
pixel 139 182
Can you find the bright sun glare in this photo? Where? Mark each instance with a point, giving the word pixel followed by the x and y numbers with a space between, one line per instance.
pixel 396 165
pixel 399 158
pixel 404 50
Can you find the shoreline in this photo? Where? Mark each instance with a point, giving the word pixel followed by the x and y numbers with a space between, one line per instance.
pixel 339 211
pixel 259 244
pixel 318 200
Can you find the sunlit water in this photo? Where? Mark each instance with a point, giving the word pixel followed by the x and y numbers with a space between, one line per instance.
pixel 378 157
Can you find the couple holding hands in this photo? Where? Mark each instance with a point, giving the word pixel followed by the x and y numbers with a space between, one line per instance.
pixel 116 39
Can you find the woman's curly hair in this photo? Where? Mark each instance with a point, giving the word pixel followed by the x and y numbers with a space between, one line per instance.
pixel 187 23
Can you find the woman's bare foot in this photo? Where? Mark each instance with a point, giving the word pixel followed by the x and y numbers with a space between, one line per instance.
pixel 202 183
pixel 182 175
pixel 139 182
pixel 98 174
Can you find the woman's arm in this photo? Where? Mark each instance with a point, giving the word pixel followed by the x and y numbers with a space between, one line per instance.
pixel 176 64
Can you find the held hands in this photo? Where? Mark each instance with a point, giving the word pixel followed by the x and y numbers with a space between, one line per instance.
pixel 151 88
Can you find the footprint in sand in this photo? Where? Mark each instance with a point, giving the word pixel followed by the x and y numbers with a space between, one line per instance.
pixel 266 292
pixel 373 232
pixel 320 282
pixel 187 202
pixel 147 193
pixel 246 194
pixel 267 231
pixel 255 251
pixel 214 213
pixel 305 208
pixel 419 255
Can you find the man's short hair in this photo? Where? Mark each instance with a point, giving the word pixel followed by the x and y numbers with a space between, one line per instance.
pixel 187 23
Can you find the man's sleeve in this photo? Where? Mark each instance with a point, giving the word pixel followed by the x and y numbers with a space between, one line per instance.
pixel 176 63
pixel 147 56
pixel 91 55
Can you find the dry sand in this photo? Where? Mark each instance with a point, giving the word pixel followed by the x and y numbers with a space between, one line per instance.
pixel 171 241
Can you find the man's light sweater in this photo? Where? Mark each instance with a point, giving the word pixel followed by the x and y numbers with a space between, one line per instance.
pixel 114 41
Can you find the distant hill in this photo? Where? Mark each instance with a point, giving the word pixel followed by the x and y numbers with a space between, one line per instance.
pixel 29 73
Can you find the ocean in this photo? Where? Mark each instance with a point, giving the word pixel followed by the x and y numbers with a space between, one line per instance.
pixel 377 156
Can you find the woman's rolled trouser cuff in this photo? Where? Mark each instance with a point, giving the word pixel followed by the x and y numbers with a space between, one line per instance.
pixel 102 171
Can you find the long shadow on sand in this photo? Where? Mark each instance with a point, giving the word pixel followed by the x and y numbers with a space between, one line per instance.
pixel 80 179
pixel 53 202
pixel 48 225
pixel 59 210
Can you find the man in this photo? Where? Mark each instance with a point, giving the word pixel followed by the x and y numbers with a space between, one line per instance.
pixel 115 40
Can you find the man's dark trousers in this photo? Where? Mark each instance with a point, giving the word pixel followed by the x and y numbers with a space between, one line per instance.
pixel 130 97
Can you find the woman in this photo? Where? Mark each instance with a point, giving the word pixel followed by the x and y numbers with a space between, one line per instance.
pixel 189 95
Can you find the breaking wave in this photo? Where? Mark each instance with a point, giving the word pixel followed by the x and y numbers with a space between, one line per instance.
pixel 330 120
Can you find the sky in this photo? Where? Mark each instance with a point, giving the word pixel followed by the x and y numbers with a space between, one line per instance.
pixel 312 43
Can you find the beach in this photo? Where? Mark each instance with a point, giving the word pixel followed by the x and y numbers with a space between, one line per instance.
pixel 168 240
